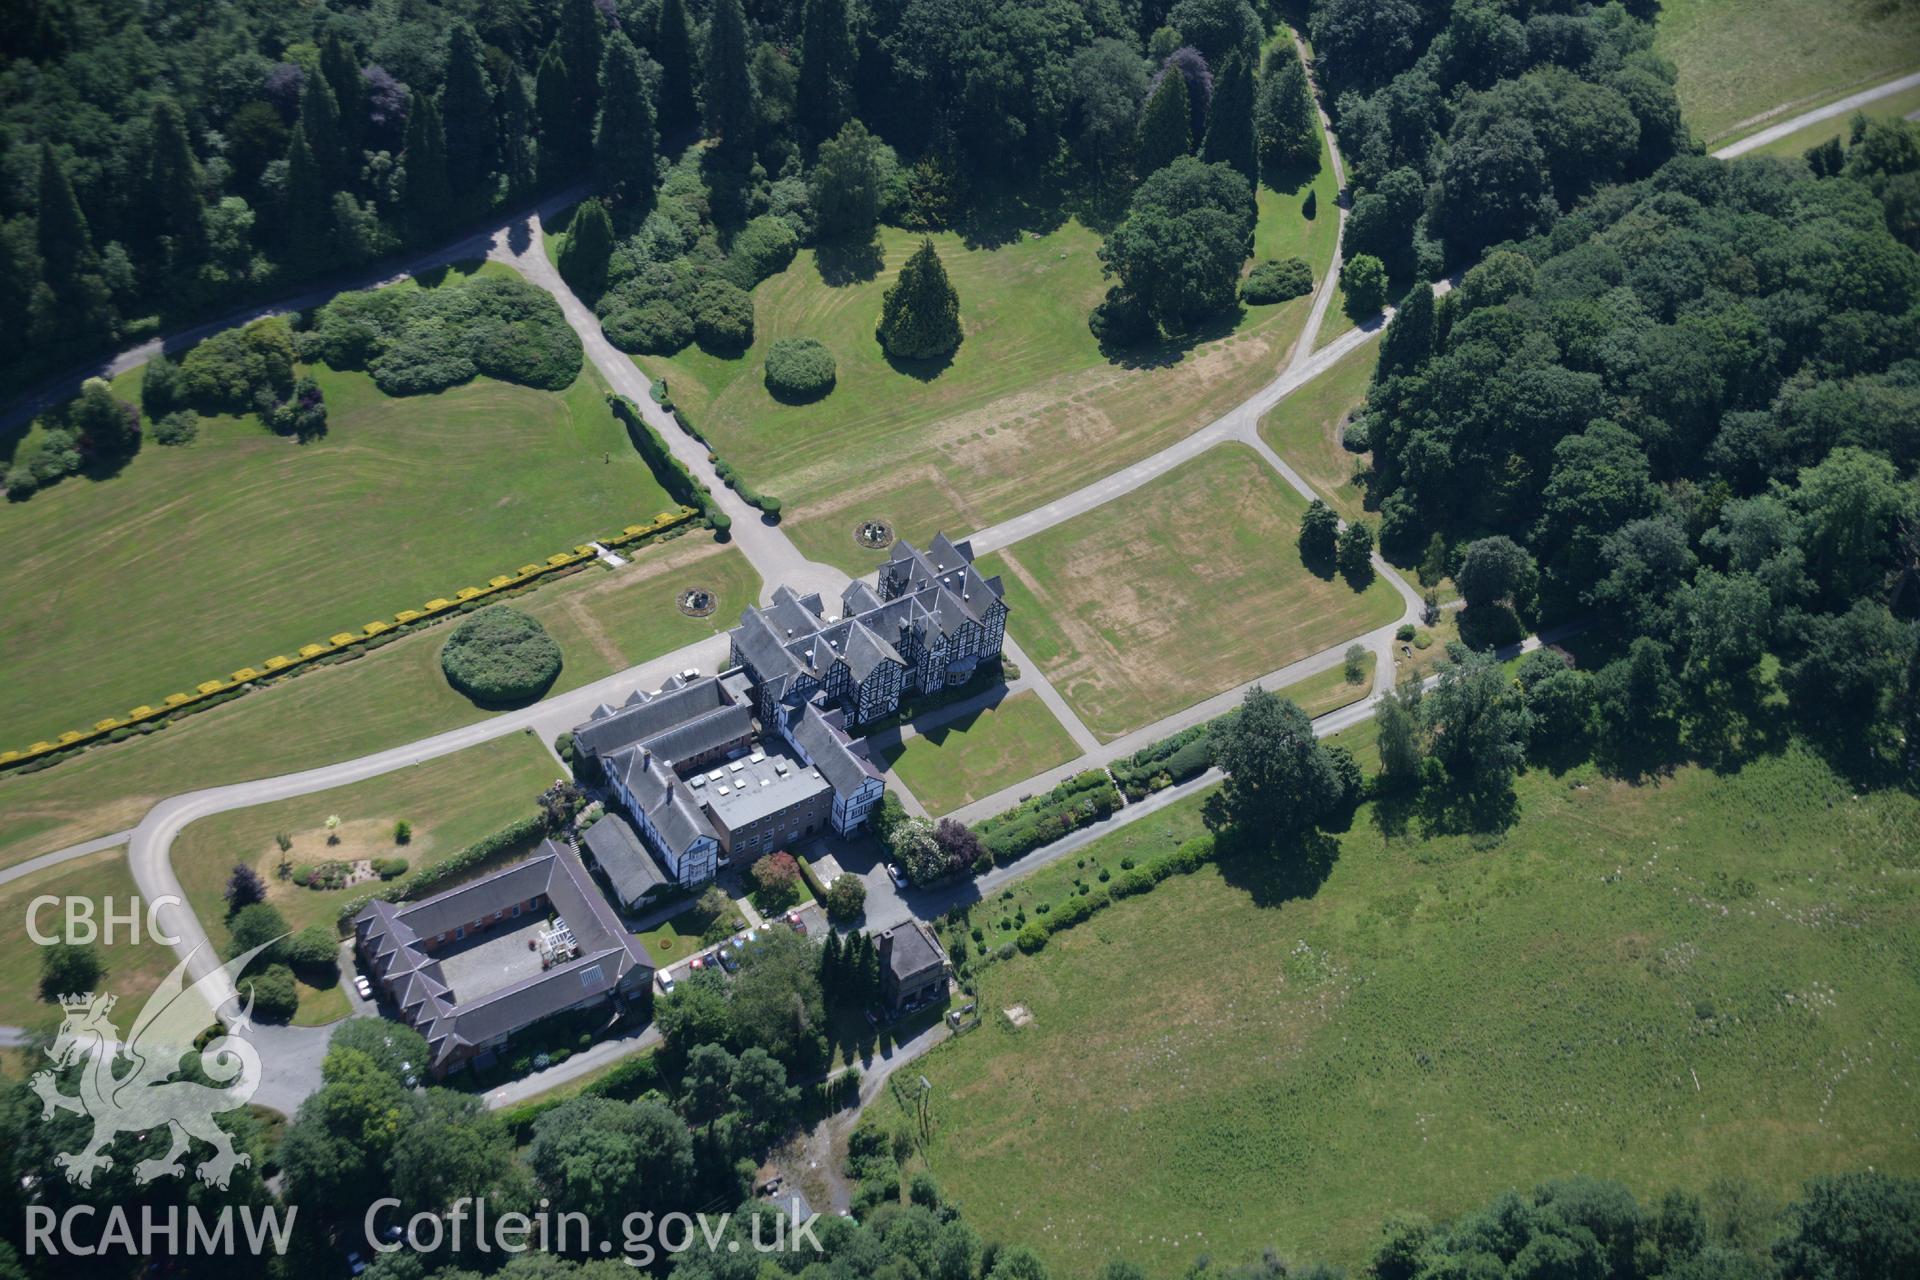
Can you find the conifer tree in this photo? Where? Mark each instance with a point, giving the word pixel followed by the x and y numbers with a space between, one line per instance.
pixel 175 208
pixel 1409 339
pixel 585 252
pixel 624 142
pixel 553 106
pixel 518 149
pixel 342 74
pixel 582 41
pixel 830 967
pixel 1230 137
pixel 1164 134
pixel 466 110
pixel 309 212
pixel 729 85
pixel 920 317
pixel 1286 122
pixel 66 247
pixel 870 970
pixel 679 63
pixel 826 66
pixel 428 195
pixel 320 120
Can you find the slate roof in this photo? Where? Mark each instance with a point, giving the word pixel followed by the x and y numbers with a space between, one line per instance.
pixel 391 934
pixel 909 951
pixel 673 812
pixel 642 717
pixel 935 590
pixel 616 847
pixel 828 748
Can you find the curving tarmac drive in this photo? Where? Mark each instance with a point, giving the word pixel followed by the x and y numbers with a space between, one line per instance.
pixel 296 1051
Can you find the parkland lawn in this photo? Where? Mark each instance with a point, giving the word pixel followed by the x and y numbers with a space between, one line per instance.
pixel 1027 405
pixel 195 561
pixel 1740 58
pixel 133 967
pixel 1660 984
pixel 1188 585
pixel 452 801
pixel 1894 106
pixel 603 619
pixel 977 754
pixel 1305 429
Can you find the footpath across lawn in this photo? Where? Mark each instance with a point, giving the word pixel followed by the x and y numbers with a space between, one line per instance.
pixel 1305 430
pixel 1013 419
pixel 1739 58
pixel 1188 585
pixel 979 753
pixel 134 966
pixel 604 620
pixel 195 561
pixel 451 802
pixel 1660 984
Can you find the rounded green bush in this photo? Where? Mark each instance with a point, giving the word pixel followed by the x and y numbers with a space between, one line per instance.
pixel 799 369
pixel 1277 281
pixel 723 316
pixel 500 655
pixel 656 328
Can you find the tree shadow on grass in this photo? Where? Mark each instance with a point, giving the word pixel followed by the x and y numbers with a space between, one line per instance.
pixel 849 260
pixel 1170 349
pixel 921 370
pixel 1276 871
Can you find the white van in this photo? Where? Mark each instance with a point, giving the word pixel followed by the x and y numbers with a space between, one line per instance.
pixel 665 981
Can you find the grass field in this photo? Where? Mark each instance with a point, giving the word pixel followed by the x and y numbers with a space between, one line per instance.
pixel 604 621
pixel 451 801
pixel 1330 690
pixel 979 753
pixel 1011 422
pixel 1741 58
pixel 1188 585
pixel 133 968
pixel 195 561
pixel 1657 984
pixel 1305 430
pixel 1892 107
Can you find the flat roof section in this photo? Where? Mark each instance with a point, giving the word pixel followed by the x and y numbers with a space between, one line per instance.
pixel 483 963
pixel 754 787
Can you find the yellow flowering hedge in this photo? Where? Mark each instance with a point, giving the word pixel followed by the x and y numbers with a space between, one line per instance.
pixel 174 702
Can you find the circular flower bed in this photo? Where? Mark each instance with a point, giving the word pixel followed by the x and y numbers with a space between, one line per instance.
pixel 799 369
pixel 500 655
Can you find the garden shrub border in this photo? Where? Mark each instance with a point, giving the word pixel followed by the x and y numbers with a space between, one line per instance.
pixel 1079 801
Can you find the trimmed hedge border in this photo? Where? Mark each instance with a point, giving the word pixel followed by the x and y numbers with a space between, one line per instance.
pixel 1078 908
pixel 467 860
pixel 728 476
pixel 1080 801
pixel 342 644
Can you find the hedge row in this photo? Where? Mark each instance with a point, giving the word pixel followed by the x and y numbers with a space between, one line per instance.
pixel 1082 799
pixel 1189 857
pixel 722 468
pixel 476 855
pixel 672 473
pixel 1171 760
pixel 346 641
pixel 629 1080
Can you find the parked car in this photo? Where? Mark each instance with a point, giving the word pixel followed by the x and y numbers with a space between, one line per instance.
pixel 364 987
pixel 795 923
pixel 727 959
pixel 896 875
pixel 665 979
pixel 691 673
pixel 696 964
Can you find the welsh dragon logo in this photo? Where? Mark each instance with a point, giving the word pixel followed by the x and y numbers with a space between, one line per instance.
pixel 130 1088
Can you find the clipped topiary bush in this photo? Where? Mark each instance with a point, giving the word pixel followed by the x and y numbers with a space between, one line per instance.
pixel 1277 281
pixel 500 655
pixel 799 369
pixel 764 247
